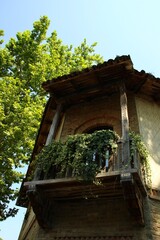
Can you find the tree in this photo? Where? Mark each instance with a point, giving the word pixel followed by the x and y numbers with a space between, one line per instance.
pixel 25 63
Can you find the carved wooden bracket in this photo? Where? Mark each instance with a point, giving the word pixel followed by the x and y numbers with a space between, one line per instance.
pixel 133 197
pixel 41 206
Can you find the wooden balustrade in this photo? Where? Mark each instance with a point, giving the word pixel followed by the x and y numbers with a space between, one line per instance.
pixel 109 163
pixel 118 180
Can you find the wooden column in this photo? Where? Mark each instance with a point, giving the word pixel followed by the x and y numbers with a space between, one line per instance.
pixel 125 127
pixel 40 203
pixel 54 125
pixel 131 191
pixel 51 136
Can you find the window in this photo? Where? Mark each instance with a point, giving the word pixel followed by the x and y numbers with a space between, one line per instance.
pixel 96 128
pixel 104 159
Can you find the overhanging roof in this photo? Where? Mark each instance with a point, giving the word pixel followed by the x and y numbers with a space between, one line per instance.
pixel 100 80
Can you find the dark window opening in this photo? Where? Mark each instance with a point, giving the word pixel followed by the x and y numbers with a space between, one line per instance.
pixel 96 128
pixel 103 160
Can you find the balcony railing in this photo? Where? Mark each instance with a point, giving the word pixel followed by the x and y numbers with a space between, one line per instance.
pixel 90 158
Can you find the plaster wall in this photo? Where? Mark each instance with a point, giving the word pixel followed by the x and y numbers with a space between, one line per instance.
pixel 30 226
pixel 149 125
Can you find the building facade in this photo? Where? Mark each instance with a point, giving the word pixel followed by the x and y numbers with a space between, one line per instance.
pixel 110 97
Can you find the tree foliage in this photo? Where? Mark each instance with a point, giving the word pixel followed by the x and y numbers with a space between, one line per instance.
pixel 25 63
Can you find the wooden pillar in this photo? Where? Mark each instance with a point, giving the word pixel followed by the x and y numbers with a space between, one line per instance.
pixel 54 125
pixel 125 127
pixel 51 135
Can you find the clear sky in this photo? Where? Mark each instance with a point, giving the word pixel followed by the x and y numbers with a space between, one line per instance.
pixel 120 27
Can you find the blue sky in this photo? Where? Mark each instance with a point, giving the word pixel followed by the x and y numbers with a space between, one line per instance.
pixel 120 27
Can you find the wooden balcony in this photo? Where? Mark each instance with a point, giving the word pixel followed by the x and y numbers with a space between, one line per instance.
pixel 115 179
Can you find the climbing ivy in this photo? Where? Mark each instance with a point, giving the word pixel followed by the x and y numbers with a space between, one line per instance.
pixel 77 154
pixel 138 144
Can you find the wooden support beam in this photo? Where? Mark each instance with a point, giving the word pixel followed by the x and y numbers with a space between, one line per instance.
pixel 85 91
pixel 40 206
pixel 54 125
pixel 131 192
pixel 51 135
pixel 125 127
pixel 133 198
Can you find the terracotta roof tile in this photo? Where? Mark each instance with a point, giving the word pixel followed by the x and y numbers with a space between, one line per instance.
pixel 110 62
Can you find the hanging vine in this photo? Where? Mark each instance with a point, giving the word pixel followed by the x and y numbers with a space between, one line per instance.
pixel 137 144
pixel 77 154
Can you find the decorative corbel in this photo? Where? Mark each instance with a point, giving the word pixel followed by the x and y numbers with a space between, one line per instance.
pixel 40 205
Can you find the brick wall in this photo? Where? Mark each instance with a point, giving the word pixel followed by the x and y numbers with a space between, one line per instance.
pixel 155 218
pixel 95 219
pixel 102 111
